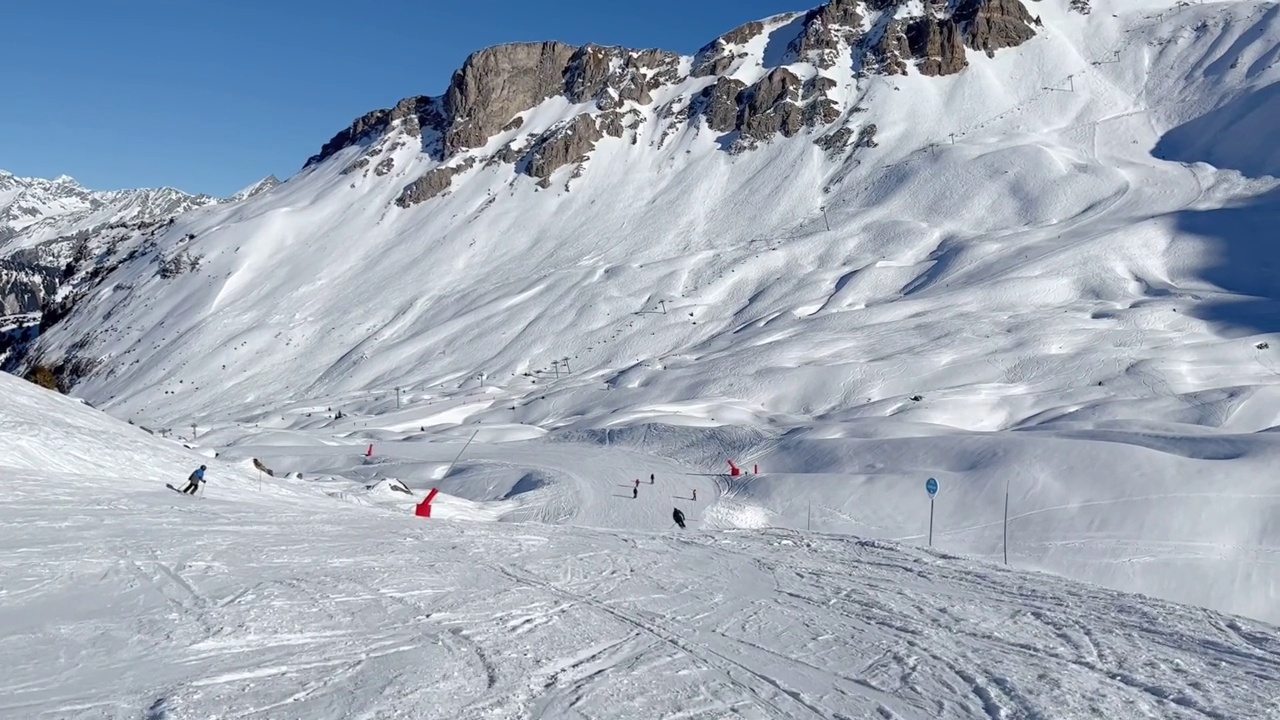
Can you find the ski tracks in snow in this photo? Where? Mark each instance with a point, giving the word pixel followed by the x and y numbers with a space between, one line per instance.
pixel 243 611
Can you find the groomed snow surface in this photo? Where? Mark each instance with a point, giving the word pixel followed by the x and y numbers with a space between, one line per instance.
pixel 123 599
pixel 1053 278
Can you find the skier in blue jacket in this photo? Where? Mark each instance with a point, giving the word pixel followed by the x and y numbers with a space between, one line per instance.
pixel 193 482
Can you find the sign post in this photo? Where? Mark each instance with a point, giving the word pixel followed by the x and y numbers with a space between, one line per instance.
pixel 931 487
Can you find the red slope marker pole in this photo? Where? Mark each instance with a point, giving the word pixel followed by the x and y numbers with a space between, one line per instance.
pixel 424 507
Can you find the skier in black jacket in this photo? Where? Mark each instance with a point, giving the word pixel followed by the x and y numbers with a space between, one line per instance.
pixel 678 517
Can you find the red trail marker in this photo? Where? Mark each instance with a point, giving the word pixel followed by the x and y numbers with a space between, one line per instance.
pixel 424 507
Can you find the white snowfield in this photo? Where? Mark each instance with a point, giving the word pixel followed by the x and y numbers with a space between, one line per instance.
pixel 1076 298
pixel 1054 275
pixel 122 599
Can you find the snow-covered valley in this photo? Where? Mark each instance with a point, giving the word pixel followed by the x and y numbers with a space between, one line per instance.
pixel 1046 280
pixel 123 599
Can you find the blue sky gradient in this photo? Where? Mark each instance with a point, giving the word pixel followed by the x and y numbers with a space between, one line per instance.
pixel 210 96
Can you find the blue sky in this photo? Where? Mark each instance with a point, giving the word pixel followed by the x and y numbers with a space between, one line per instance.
pixel 211 95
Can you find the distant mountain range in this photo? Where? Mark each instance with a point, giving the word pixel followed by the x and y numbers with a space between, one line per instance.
pixel 44 224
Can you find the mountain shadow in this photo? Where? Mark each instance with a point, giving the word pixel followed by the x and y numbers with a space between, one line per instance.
pixel 1244 257
pixel 1246 263
pixel 1239 135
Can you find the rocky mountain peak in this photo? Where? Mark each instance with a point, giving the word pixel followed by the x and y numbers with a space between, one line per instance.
pixel 496 83
pixel 257 188
pixel 45 225
pixel 764 79
pixel 33 210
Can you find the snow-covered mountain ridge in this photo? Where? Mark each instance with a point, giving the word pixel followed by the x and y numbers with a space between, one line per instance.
pixel 733 246
pixel 1050 269
pixel 767 78
pixel 33 210
pixel 56 234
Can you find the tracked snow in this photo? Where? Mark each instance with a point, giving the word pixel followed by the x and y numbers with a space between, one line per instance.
pixel 286 602
pixel 1051 271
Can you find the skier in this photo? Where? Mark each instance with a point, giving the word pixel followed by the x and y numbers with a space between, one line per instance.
pixel 650 478
pixel 194 481
pixel 678 517
pixel 637 482
pixel 635 492
pixel 695 494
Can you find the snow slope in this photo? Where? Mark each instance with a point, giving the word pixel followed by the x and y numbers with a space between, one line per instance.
pixel 1054 270
pixel 287 603
pixel 1060 247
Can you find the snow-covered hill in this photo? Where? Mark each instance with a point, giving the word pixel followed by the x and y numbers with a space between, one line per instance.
pixel 867 245
pixel 57 237
pixel 1048 230
pixel 283 602
pixel 33 210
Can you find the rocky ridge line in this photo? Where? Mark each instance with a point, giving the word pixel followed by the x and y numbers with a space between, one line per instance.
pixel 607 85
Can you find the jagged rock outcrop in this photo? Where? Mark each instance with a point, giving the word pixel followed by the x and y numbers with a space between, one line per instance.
pixel 489 96
pixel 612 76
pixel 991 25
pixel 772 106
pixel 719 104
pixel 819 108
pixel 890 54
pixel 825 28
pixel 431 184
pixel 611 124
pixel 718 57
pixel 567 144
pixel 563 145
pixel 495 84
pixel 938 44
pixel 415 112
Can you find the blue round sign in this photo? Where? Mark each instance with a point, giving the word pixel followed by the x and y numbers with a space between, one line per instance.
pixel 931 487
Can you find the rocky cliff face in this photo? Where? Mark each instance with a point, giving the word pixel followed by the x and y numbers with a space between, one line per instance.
pixel 763 80
pixel 24 287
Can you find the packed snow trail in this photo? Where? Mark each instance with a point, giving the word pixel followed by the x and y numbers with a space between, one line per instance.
pixel 122 599
pixel 562 483
pixel 177 608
